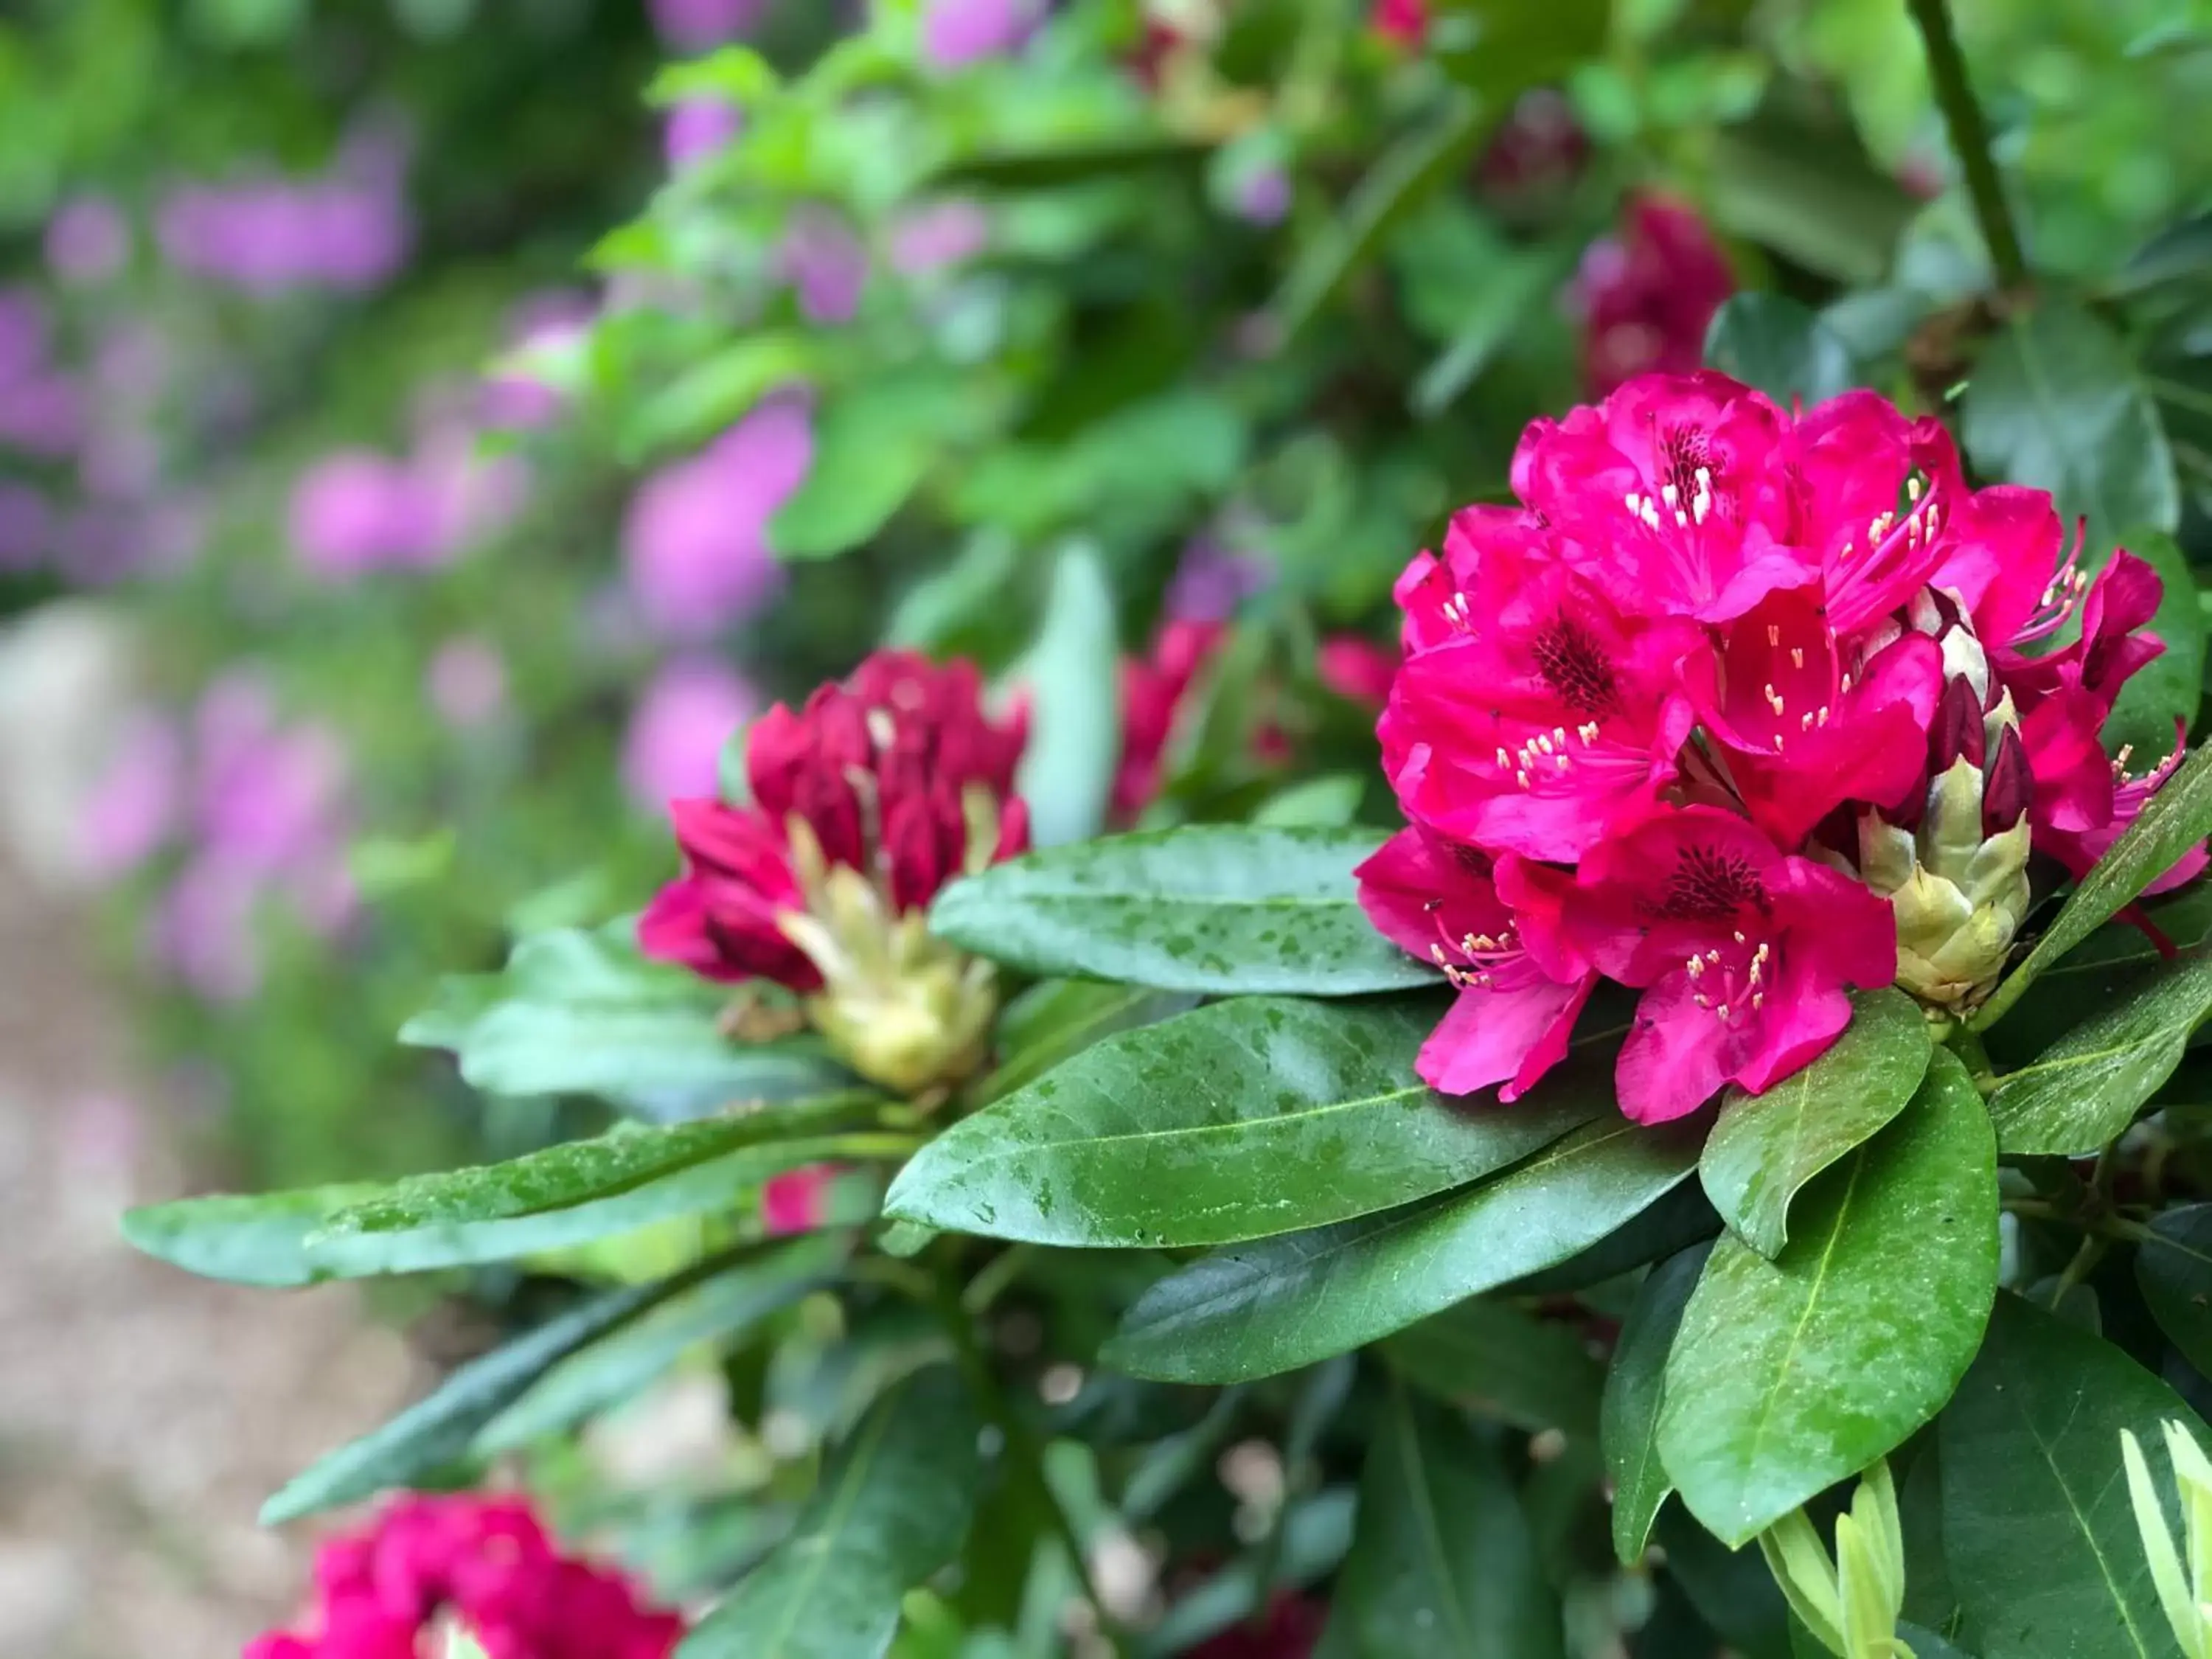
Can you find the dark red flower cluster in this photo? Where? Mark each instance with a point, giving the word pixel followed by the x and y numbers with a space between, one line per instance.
pixel 1648 295
pixel 1738 709
pixel 476 1566
pixel 865 804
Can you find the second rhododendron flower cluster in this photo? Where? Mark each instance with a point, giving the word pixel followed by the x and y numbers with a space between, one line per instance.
pixel 865 803
pixel 1741 709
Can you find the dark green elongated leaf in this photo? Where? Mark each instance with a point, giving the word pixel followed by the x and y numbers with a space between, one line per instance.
pixel 2108 964
pixel 1069 163
pixel 1317 1535
pixel 1807 189
pixel 1788 1376
pixel 1732 1590
pixel 2173 1266
pixel 436 1430
pixel 1075 707
pixel 1406 175
pixel 2036 1526
pixel 2056 402
pixel 1770 340
pixel 892 1508
pixel 1635 1386
pixel 577 1171
pixel 607 1373
pixel 2170 686
pixel 873 443
pixel 1215 910
pixel 2081 1091
pixel 1926 1643
pixel 1765 1147
pixel 1502 1362
pixel 245 1238
pixel 1058 1020
pixel 1443 1566
pixel 1674 1221
pixel 1152 1138
pixel 579 1011
pixel 1285 1302
pixel 2174 820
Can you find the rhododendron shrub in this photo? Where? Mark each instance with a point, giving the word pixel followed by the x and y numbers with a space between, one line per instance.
pixel 1082 1048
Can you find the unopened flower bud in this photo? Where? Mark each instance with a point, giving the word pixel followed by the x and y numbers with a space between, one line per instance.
pixel 1957 729
pixel 2009 786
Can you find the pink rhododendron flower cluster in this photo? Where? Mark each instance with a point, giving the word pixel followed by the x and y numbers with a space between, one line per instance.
pixel 1647 294
pixel 478 1567
pixel 865 803
pixel 347 229
pixel 1741 709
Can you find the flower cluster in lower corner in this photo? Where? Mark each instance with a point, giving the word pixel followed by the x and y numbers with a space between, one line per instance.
pixel 477 1569
pixel 865 803
pixel 1740 708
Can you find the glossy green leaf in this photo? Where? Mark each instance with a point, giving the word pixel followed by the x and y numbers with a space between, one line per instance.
pixel 579 1011
pixel 1057 1019
pixel 1765 1147
pixel 1807 189
pixel 874 442
pixel 1443 1566
pixel 2171 685
pixel 1274 1306
pixel 1217 910
pixel 1635 1387
pixel 2174 820
pixel 892 1508
pixel 247 1239
pixel 1502 1362
pixel 705 398
pixel 2083 1090
pixel 2056 402
pixel 2038 1529
pixel 1770 340
pixel 2174 1265
pixel 1242 1120
pixel 437 1430
pixel 2107 965
pixel 610 1372
pixel 1075 720
pixel 1403 176
pixel 1788 1376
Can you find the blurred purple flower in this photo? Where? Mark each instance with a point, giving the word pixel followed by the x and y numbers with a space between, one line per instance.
pixel 42 413
pixel 466 681
pixel 270 235
pixel 202 930
pixel 87 240
pixel 22 332
pixel 473 496
pixel 957 32
pixel 943 234
pixel 826 261
pixel 697 127
pixel 274 803
pixel 1213 579
pixel 1262 196
pixel 138 802
pixel 357 511
pixel 688 711
pixel 695 25
pixel 695 541
pixel 516 398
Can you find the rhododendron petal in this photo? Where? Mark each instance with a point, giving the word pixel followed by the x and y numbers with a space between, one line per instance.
pixel 1493 1036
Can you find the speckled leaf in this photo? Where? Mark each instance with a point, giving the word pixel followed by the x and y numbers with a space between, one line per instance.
pixel 2038 1529
pixel 2105 966
pixel 436 1430
pixel 579 1011
pixel 1217 909
pixel 2176 818
pixel 2174 1265
pixel 1501 1361
pixel 1245 1119
pixel 1274 1306
pixel 1635 1386
pixel 2077 1095
pixel 1765 1147
pixel 247 1239
pixel 1444 1564
pixel 1058 1020
pixel 893 1506
pixel 1788 1376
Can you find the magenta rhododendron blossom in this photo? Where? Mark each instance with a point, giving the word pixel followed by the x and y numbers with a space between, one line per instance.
pixel 1153 688
pixel 1404 21
pixel 1738 709
pixel 1648 294
pixel 796 1201
pixel 695 541
pixel 865 803
pixel 482 1567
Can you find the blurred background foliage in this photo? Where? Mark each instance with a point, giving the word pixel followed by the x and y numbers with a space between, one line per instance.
pixel 474 409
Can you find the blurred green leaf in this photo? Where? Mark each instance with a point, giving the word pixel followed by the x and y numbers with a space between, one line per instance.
pixel 259 1239
pixel 1772 341
pixel 1500 1361
pixel 874 441
pixel 1066 772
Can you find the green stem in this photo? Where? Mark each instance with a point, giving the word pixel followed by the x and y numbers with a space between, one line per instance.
pixel 1966 1042
pixel 1970 140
